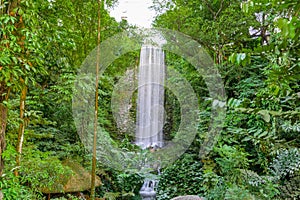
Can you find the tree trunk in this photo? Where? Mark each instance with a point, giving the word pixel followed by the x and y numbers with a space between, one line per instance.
pixel 21 127
pixel 8 9
pixel 4 94
pixel 3 118
pixel 93 178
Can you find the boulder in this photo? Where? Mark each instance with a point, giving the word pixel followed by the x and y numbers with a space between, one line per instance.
pixel 80 180
pixel 188 197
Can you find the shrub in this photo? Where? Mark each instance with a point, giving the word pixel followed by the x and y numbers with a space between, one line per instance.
pixel 181 178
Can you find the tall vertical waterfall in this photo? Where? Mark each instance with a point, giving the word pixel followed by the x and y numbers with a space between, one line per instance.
pixel 150 102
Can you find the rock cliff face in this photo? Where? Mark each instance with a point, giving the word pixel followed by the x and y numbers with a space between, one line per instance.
pixel 188 197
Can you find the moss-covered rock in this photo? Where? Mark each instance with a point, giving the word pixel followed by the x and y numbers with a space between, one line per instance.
pixel 78 180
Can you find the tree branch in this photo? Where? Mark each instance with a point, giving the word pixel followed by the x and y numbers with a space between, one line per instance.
pixel 209 8
pixel 220 9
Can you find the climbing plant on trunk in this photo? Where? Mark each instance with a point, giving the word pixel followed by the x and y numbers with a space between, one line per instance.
pixel 20 58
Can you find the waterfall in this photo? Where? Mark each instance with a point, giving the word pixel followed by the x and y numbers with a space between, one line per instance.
pixel 148 189
pixel 150 108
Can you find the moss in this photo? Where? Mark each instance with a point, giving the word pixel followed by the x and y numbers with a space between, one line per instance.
pixel 78 180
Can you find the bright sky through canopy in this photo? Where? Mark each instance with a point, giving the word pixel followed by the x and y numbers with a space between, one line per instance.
pixel 137 12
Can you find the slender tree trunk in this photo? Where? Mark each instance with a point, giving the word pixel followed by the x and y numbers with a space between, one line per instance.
pixel 93 179
pixel 21 126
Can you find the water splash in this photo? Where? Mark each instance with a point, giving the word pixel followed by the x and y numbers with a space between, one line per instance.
pixel 147 191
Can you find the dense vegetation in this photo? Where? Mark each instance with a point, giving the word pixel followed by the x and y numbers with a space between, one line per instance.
pixel 256 156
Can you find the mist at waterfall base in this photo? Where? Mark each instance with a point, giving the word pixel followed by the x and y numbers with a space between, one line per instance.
pixel 150 108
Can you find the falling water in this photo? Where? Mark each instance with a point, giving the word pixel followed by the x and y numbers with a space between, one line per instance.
pixel 150 110
pixel 148 189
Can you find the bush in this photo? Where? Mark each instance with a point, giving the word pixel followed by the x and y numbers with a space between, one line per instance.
pixel 38 170
pixel 181 178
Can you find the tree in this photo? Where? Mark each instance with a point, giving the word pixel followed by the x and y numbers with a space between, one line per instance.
pixel 19 58
pixel 220 26
pixel 94 158
pixel 256 47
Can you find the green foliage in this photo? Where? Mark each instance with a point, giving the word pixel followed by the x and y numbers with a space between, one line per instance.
pixel 38 170
pixel 231 161
pixel 130 182
pixel 21 55
pixel 69 197
pixel 286 163
pixel 116 184
pixel 220 26
pixel 261 76
pixel 235 193
pixel 257 153
pixel 289 188
pixel 286 171
pixel 12 188
pixel 229 178
pixel 181 178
